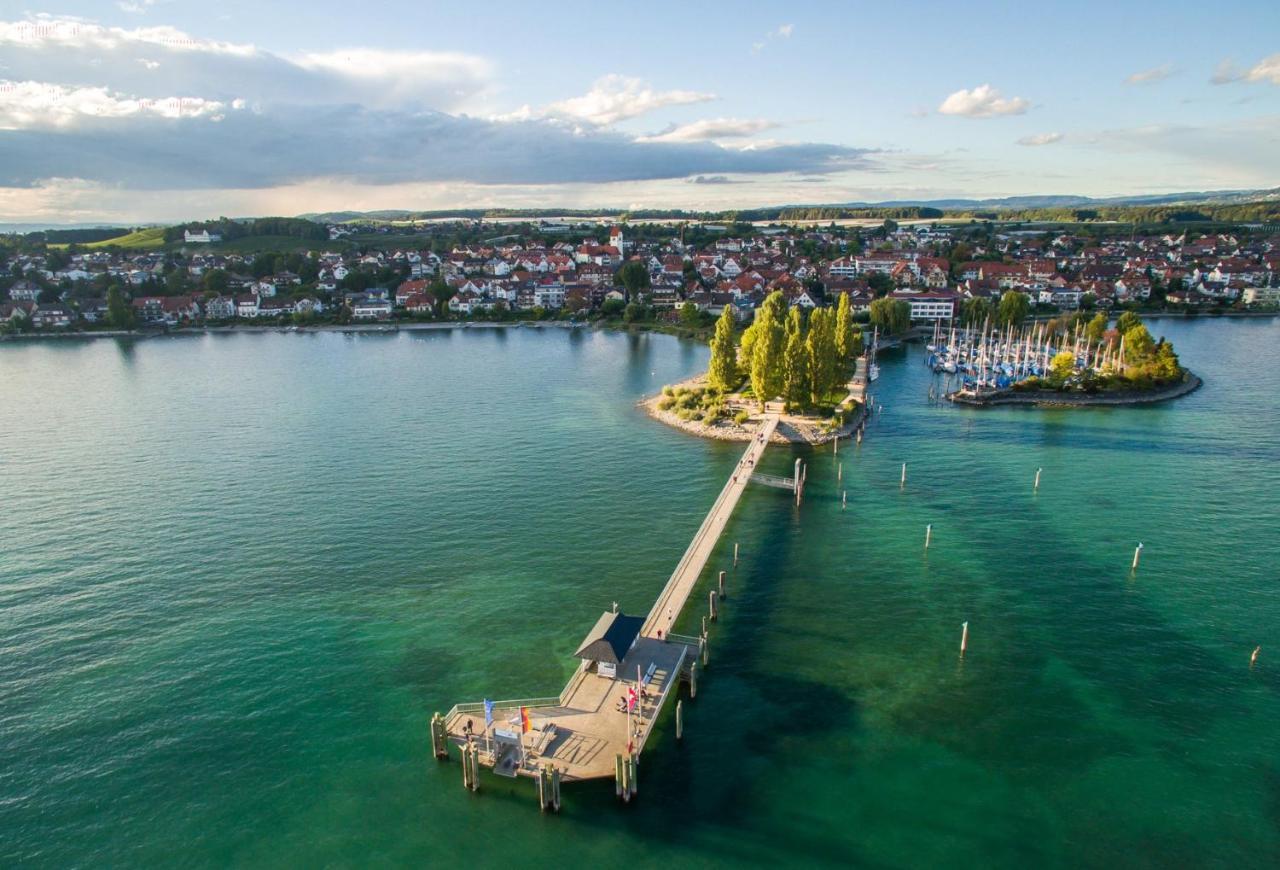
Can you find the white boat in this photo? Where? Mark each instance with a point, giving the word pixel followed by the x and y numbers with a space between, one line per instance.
pixel 873 372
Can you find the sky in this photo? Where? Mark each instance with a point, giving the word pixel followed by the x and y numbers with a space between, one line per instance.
pixel 167 110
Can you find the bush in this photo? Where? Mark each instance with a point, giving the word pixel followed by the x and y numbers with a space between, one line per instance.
pixel 742 417
pixel 665 403
pixel 668 391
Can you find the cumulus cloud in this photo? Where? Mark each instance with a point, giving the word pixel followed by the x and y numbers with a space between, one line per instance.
pixel 784 31
pixel 983 101
pixel 710 179
pixel 40 104
pixel 1265 70
pixel 75 52
pixel 711 129
pixel 1040 139
pixel 138 111
pixel 611 99
pixel 1150 76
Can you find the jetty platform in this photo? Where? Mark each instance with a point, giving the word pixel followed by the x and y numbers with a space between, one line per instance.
pixel 587 732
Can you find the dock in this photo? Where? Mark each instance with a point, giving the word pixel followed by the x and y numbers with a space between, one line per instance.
pixel 587 731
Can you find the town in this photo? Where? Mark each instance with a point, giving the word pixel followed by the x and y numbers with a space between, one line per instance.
pixel 681 274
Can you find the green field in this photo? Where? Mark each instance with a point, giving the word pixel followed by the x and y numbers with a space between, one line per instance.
pixel 148 239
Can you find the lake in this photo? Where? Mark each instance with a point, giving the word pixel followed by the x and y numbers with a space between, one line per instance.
pixel 241 571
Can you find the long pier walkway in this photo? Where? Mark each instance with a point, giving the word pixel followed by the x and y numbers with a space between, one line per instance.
pixel 584 731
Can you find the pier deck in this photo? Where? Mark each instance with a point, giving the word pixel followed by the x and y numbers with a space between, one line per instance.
pixel 582 731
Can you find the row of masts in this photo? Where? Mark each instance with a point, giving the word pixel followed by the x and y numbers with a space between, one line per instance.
pixel 994 357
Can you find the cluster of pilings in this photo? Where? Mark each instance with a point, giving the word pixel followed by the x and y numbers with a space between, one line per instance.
pixel 549 788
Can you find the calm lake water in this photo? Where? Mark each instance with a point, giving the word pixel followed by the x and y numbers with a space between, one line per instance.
pixel 240 572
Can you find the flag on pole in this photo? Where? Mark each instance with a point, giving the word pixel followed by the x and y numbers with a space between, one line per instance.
pixel 631 698
pixel 525 725
pixel 488 712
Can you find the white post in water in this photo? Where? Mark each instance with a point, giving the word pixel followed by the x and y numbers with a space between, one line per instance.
pixel 964 637
pixel 1137 553
pixel 1037 486
pixel 1253 659
pixel 928 535
pixel 844 499
pixel 903 482
pixel 735 554
pixel 839 471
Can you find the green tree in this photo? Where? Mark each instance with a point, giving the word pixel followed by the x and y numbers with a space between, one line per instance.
pixel 1139 347
pixel 634 277
pixel 795 362
pixel 722 372
pixel 1062 365
pixel 1096 328
pixel 690 316
pixel 1166 362
pixel 880 283
pixel 976 310
pixel 215 280
pixel 1013 308
pixel 892 316
pixel 441 292
pixel 1127 321
pixel 766 349
pixel 845 331
pixel 612 307
pixel 119 314
pixel 820 346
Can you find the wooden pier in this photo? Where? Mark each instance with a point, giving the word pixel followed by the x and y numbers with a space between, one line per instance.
pixel 586 732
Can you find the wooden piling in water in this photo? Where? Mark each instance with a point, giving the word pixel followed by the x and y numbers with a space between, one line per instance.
pixel 711 605
pixel 693 681
pixel 439 741
pixel 1036 488
pixel 555 789
pixel 679 719
pixel 840 471
pixel 617 775
pixel 964 637
pixel 705 648
pixel 721 583
pixel 928 535
pixel 735 554
pixel 903 481
pixel 1253 659
pixel 1137 554
pixel 844 499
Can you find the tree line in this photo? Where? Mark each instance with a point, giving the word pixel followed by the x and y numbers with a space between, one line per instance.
pixel 784 354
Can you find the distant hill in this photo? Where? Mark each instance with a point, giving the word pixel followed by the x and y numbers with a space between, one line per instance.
pixel 888 207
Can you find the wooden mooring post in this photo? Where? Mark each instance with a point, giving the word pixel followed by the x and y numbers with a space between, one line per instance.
pixel 903 482
pixel 679 719
pixel 439 739
pixel 1137 554
pixel 711 605
pixel 735 554
pixel 721 583
pixel 1036 487
pixel 928 535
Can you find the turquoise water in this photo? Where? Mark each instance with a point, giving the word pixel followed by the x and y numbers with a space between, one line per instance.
pixel 240 572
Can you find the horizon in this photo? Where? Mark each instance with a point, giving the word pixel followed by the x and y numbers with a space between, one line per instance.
pixel 154 112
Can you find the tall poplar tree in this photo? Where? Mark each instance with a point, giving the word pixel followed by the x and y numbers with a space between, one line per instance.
pixel 821 347
pixel 795 362
pixel 844 331
pixel 766 349
pixel 722 373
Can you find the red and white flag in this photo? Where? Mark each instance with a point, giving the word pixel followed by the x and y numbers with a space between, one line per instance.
pixel 632 697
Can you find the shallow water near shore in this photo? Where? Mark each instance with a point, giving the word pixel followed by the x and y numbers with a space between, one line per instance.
pixel 240 572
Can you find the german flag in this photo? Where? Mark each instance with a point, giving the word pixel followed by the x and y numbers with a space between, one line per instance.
pixel 525 725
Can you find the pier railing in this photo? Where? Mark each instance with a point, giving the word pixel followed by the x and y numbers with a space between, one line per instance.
pixel 549 701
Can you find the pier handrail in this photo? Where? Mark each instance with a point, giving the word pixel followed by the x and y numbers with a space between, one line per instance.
pixel 684 639
pixel 692 549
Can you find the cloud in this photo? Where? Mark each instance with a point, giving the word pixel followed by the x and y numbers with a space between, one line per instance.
pixel 84 108
pixel 1265 70
pixel 611 99
pixel 711 129
pixel 983 101
pixel 1151 76
pixel 1041 139
pixel 38 104
pixel 278 145
pixel 82 53
pixel 135 7
pixel 783 31
pixel 711 179
pixel 1238 153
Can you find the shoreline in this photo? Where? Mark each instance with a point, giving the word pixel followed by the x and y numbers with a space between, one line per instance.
pixel 1049 399
pixel 791 429
pixel 332 327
